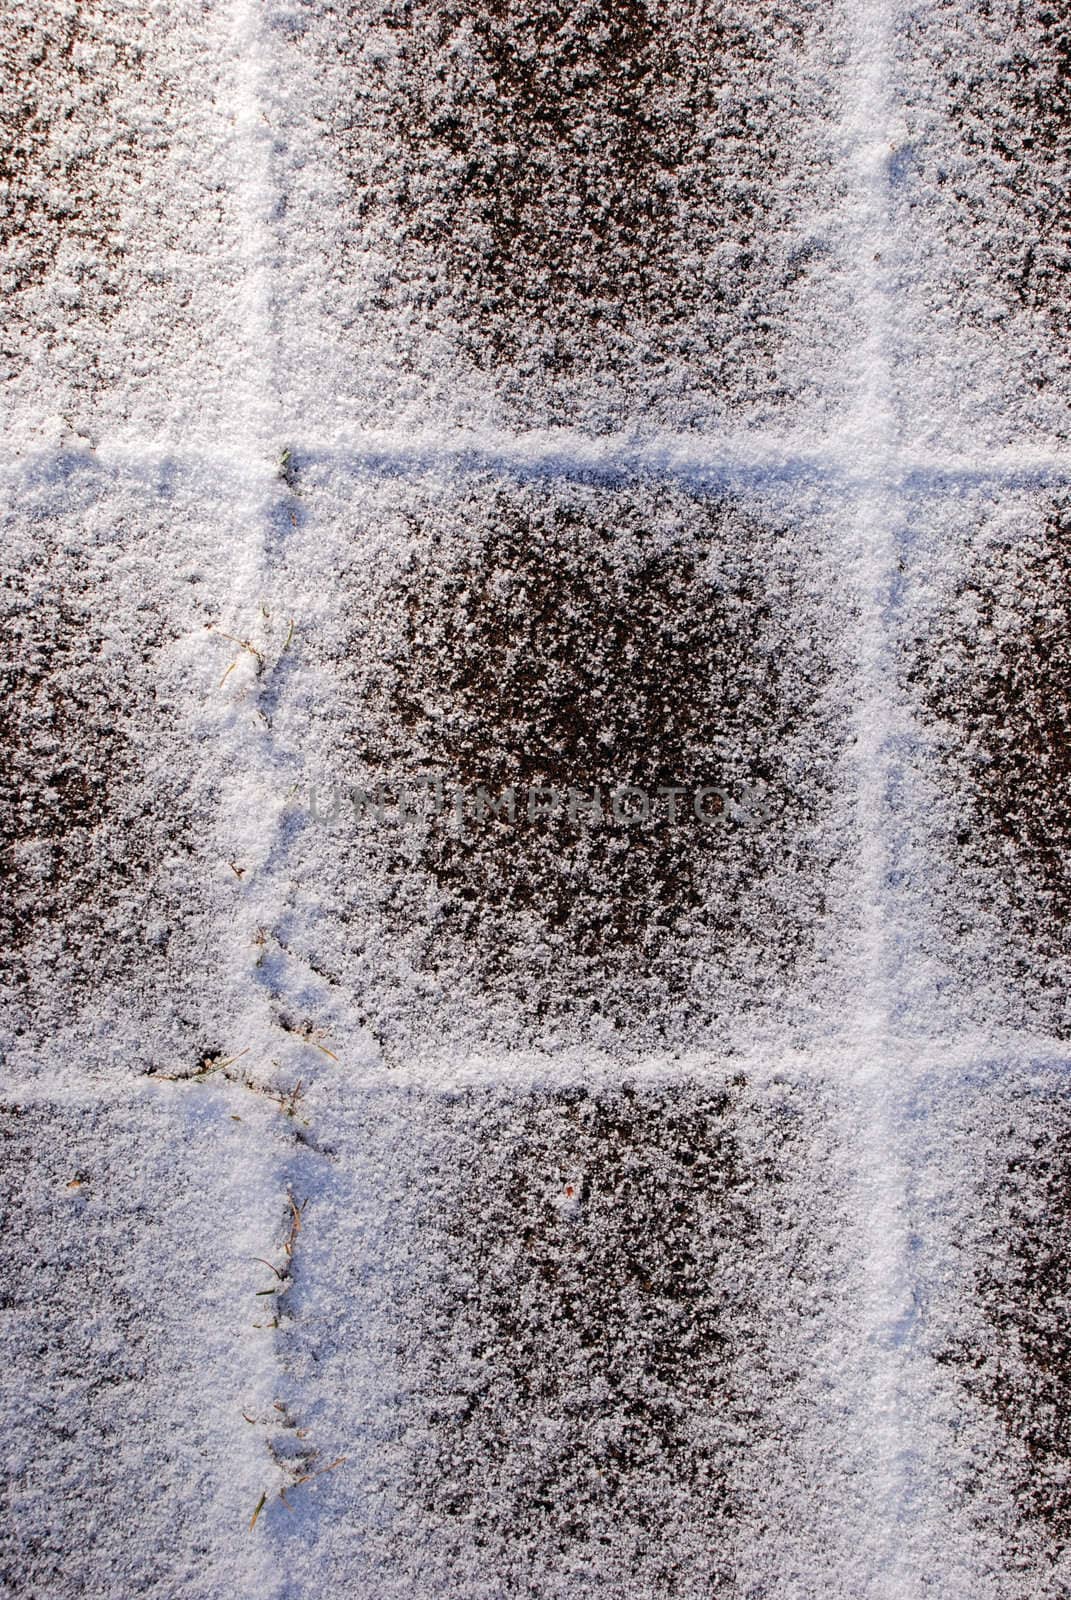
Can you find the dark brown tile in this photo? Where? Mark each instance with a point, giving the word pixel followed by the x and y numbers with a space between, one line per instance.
pixel 579 1334
pixel 104 207
pixel 599 209
pixel 992 676
pixel 533 646
pixel 1010 1351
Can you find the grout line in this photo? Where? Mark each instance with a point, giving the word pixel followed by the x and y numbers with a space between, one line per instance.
pixel 885 1408
pixel 732 459
pixel 848 1059
pixel 248 738
pixel 854 461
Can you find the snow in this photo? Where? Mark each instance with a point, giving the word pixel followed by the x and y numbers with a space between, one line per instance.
pixel 529 398
pixel 128 1296
pixel 598 218
pixel 120 247
pixel 568 1406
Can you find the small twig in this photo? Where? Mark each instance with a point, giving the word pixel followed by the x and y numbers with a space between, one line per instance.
pixel 243 644
pixel 205 1070
pixel 230 1060
pixel 295 1227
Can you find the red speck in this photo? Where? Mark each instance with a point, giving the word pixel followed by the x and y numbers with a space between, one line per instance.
pixel 568 1191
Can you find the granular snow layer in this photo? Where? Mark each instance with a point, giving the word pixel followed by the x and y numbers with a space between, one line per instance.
pixel 535 707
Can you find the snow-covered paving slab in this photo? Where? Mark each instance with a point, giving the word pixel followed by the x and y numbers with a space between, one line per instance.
pixel 128 741
pixel 570 755
pixel 130 1351
pixel 571 1335
pixel 603 216
pixel 986 664
pixel 989 1212
pixel 979 193
pixel 121 251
